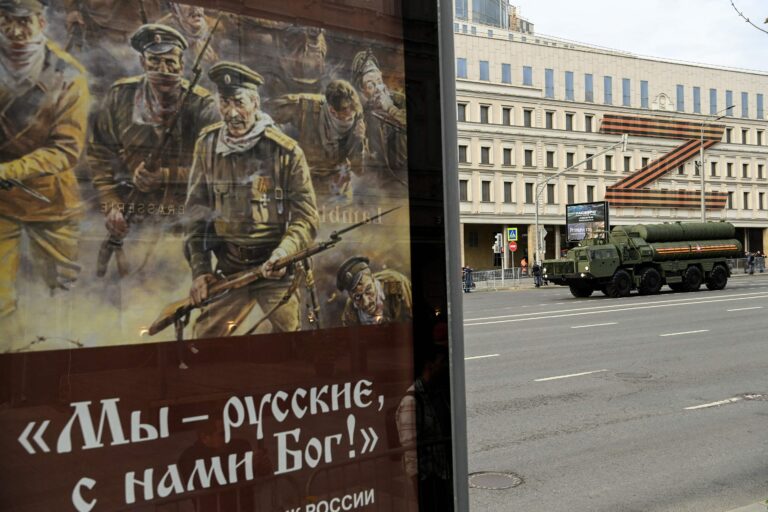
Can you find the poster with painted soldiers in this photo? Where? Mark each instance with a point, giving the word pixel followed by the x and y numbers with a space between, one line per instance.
pixel 207 296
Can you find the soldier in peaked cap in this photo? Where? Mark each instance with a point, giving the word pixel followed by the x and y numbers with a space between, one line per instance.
pixel 43 119
pixel 252 202
pixel 374 298
pixel 130 123
pixel 385 120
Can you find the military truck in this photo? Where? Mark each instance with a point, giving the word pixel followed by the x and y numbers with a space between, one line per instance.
pixel 645 257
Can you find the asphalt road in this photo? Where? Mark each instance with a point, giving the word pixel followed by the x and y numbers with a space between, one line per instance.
pixel 640 404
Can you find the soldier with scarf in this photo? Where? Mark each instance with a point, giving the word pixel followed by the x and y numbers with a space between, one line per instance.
pixel 43 117
pixel 251 202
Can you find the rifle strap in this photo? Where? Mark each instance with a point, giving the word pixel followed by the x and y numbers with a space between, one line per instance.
pixel 284 300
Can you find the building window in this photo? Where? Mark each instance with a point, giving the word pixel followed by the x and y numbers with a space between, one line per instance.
pixel 744 136
pixel 527 118
pixel 486 191
pixel 484 73
pixel 759 138
pixel 571 194
pixel 589 88
pixel 528 160
pixel 696 166
pixel 759 171
pixel 680 98
pixel 745 170
pixel 551 159
pixel 697 100
pixel 507 152
pixel 527 75
pixel 485 155
pixel 680 170
pixel 608 163
pixel 730 200
pixel 462 112
pixel 745 104
pixel 589 161
pixel 463 154
pixel 484 111
pixel 728 135
pixel 627 163
pixel 729 170
pixel 590 193
pixel 550 120
pixel 507 191
pixel 529 193
pixel 463 196
pixel 551 194
pixel 588 122
pixel 713 101
pixel 746 201
pixel 506 116
pixel 729 103
pixel 713 168
pixel 644 162
pixel 569 122
pixel 644 101
pixel 626 92
pixel 461 9
pixel 761 199
pixel 506 74
pixel 549 83
pixel 569 159
pixel 569 95
pixel 461 68
pixel 760 113
pixel 608 90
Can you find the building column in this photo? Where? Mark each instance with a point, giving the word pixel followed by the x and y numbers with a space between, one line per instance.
pixel 558 241
pixel 505 260
pixel 531 243
pixel 765 240
pixel 461 242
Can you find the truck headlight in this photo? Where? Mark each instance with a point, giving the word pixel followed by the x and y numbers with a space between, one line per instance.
pixel 586 268
pixel 583 274
pixel 545 276
pixel 545 269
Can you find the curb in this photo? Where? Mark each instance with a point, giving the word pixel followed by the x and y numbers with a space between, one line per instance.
pixel 756 507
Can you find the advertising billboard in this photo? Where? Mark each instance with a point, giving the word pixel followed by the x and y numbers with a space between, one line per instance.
pixel 586 220
pixel 212 221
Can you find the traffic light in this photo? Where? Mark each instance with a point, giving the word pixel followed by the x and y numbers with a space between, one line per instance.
pixel 498 244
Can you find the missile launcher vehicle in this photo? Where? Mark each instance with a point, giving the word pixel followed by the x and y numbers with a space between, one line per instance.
pixel 646 257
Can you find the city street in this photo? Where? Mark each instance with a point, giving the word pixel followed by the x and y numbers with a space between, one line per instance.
pixel 641 404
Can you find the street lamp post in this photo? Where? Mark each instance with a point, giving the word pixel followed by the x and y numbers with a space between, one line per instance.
pixel 540 188
pixel 701 160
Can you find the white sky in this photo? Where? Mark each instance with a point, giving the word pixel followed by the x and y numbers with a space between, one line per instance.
pixel 700 31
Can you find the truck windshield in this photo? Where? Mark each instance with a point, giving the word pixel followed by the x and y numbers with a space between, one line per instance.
pixel 601 254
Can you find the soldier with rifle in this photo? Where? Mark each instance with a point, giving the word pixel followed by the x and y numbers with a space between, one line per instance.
pixel 143 138
pixel 43 119
pixel 252 203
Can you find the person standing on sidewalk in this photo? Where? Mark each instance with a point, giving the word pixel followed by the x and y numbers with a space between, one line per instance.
pixel 536 271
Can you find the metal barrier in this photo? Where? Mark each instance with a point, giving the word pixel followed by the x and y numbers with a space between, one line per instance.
pixel 496 279
pixel 740 265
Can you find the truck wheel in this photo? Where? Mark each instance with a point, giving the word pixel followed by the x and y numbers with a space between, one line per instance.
pixel 718 278
pixel 650 282
pixel 692 278
pixel 580 289
pixel 620 285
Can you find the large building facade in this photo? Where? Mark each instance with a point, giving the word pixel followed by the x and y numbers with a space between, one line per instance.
pixel 531 106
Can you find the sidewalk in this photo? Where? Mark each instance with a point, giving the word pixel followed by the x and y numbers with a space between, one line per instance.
pixel 756 507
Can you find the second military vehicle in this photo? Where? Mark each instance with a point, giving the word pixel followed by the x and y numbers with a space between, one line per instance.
pixel 647 256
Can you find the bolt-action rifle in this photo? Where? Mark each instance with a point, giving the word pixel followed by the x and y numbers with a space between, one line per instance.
pixel 177 311
pixel 8 184
pixel 114 243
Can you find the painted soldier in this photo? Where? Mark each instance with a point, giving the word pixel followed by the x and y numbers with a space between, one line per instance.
pixel 385 119
pixel 251 202
pixel 374 297
pixel 331 131
pixel 192 22
pixel 135 114
pixel 43 118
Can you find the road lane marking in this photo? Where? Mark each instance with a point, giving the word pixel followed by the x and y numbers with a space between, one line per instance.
pixel 480 357
pixel 745 309
pixel 685 332
pixel 715 404
pixel 581 312
pixel 592 325
pixel 568 376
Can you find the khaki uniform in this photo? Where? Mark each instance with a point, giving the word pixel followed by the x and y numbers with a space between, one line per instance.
pixel 387 141
pixel 303 112
pixel 119 143
pixel 398 303
pixel 250 203
pixel 42 134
